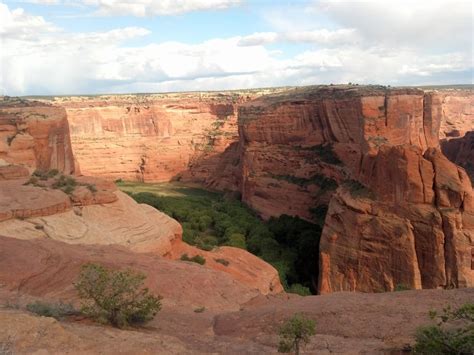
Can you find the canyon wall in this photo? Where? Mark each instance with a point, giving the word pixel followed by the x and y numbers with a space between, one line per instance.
pixel 155 138
pixel 33 135
pixel 400 213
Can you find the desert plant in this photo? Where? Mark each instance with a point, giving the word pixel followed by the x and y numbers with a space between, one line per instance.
pixel 116 297
pixel 222 261
pixel 299 290
pixel 55 310
pixel 198 259
pixel 200 309
pixel 452 334
pixel 295 333
pixel 401 287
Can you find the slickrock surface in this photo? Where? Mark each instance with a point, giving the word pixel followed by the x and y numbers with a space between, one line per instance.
pixel 346 323
pixel 48 268
pixel 188 136
pixel 110 217
pixel 34 135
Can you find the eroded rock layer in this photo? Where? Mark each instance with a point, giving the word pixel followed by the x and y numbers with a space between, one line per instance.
pixel 33 135
pixel 189 136
pixel 400 212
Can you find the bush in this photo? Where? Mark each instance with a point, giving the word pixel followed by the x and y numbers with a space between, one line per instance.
pixel 237 240
pixel 55 310
pixel 195 259
pixel 453 333
pixel 295 333
pixel 401 287
pixel 116 297
pixel 222 261
pixel 299 290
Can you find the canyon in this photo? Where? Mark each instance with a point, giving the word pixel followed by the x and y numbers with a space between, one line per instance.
pixel 387 173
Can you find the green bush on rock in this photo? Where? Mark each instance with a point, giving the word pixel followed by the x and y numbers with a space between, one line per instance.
pixel 116 297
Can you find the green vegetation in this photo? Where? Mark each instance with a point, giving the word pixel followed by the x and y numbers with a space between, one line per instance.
pixel 222 261
pixel 357 189
pixel 295 333
pixel 200 309
pixel 402 287
pixel 209 220
pixel 322 181
pixel 62 182
pixel 198 259
pixel 116 297
pixel 452 334
pixel 56 310
pixel 322 152
pixel 299 290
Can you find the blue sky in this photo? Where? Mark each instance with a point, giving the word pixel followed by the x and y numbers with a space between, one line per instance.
pixel 117 46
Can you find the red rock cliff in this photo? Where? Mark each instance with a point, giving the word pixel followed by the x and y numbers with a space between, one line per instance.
pixel 33 135
pixel 402 213
pixel 188 136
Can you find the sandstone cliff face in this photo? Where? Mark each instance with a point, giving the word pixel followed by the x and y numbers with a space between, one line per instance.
pixel 293 143
pixel 402 214
pixel 189 136
pixel 415 231
pixel 33 135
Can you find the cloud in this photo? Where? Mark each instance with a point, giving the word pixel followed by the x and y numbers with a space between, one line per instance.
pixel 323 36
pixel 39 58
pixel 20 25
pixel 425 23
pixel 142 8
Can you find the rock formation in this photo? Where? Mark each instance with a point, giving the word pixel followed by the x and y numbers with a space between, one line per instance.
pixel 189 136
pixel 402 215
pixel 33 135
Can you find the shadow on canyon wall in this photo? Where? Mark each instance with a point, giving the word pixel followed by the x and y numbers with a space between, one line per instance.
pixel 461 152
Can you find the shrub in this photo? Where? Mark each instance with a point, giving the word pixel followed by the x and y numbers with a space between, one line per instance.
pixel 200 309
pixel 55 310
pixel 295 333
pixel 237 240
pixel 195 259
pixel 453 333
pixel 116 297
pixel 299 290
pixel 222 261
pixel 402 287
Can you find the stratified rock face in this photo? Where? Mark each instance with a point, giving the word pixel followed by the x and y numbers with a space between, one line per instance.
pixel 297 146
pixel 402 214
pixel 189 136
pixel 414 226
pixel 33 135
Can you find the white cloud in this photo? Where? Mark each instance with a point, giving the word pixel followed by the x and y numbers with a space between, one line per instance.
pixel 39 58
pixel 142 8
pixel 20 25
pixel 323 36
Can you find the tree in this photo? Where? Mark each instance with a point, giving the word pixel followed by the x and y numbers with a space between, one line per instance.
pixel 116 297
pixel 453 333
pixel 296 332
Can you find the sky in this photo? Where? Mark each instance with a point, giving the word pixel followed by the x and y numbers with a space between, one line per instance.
pixel 70 47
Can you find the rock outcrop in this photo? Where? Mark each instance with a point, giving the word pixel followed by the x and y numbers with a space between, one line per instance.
pixel 93 212
pixel 33 135
pixel 461 151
